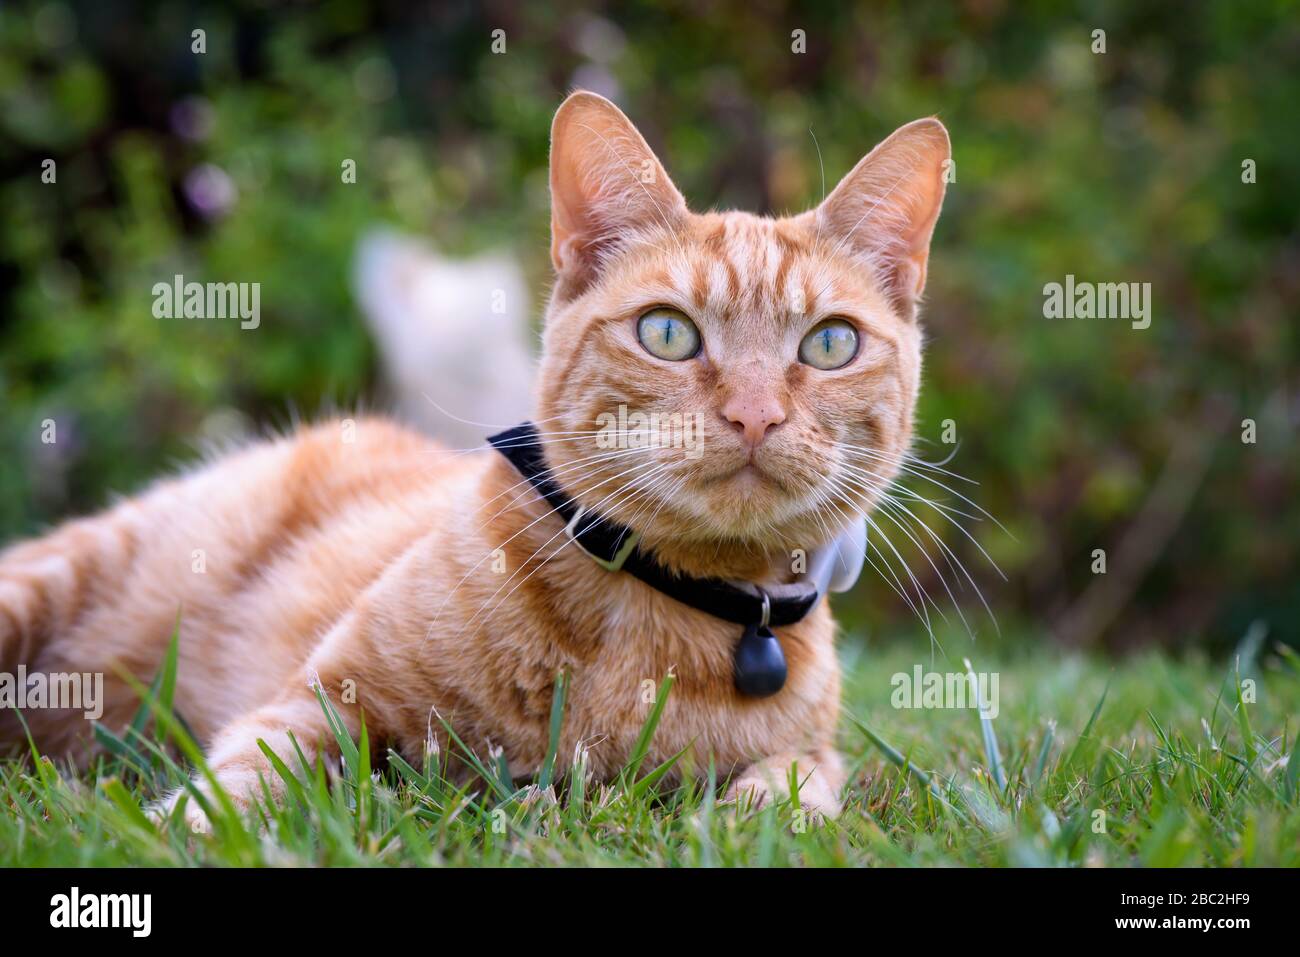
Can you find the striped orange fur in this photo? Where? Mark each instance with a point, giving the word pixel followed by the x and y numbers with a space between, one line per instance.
pixel 412 582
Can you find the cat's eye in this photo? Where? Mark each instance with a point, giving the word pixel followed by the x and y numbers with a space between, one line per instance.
pixel 668 334
pixel 831 344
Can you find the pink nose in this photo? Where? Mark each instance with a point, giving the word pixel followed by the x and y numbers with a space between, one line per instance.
pixel 753 416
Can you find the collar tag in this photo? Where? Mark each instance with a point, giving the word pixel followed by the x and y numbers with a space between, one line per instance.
pixel 612 564
pixel 760 666
pixel 837 564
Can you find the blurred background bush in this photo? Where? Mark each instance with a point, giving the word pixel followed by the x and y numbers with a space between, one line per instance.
pixel 1118 166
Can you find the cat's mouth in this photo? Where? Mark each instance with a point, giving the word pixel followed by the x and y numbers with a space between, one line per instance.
pixel 746 474
pixel 751 483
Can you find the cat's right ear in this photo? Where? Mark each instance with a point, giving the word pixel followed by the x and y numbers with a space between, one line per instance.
pixel 887 205
pixel 606 186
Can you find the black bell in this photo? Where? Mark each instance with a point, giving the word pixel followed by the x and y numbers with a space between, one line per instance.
pixel 760 663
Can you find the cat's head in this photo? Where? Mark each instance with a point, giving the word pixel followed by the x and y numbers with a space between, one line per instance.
pixel 767 348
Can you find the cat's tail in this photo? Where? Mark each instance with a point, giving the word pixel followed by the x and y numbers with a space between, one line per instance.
pixel 453 335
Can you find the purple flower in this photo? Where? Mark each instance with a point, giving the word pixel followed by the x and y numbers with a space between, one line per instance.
pixel 210 190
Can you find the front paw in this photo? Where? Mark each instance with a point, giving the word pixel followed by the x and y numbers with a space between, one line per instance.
pixel 820 799
pixel 179 801
pixel 818 780
pixel 750 792
pixel 754 792
pixel 182 801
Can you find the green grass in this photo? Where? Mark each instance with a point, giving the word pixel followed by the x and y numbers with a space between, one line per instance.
pixel 1186 769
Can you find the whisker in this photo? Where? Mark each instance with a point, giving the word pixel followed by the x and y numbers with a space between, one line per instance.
pixel 913 460
pixel 973 540
pixel 887 507
pixel 552 473
pixel 567 541
pixel 948 553
pixel 895 584
pixel 908 458
pixel 922 594
pixel 938 466
pixel 485 425
pixel 543 516
pixel 548 438
pixel 852 450
pixel 535 553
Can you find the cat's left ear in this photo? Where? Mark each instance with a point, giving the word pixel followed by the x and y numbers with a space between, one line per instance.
pixel 886 207
pixel 606 185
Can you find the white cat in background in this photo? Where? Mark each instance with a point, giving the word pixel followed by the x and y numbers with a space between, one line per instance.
pixel 452 334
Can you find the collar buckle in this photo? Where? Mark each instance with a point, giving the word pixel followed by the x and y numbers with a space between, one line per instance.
pixel 620 558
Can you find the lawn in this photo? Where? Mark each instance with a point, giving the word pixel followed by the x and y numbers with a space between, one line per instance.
pixel 1143 761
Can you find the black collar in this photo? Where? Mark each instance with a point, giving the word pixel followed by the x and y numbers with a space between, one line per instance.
pixel 614 547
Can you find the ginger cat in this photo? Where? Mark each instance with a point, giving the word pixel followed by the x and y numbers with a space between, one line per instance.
pixel 428 579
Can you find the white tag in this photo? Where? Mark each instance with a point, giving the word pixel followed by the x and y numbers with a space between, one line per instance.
pixel 837 565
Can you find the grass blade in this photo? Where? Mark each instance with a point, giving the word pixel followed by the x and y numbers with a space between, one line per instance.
pixel 120 797
pixel 642 747
pixel 291 782
pixel 1243 720
pixel 472 759
pixel 1092 720
pixel 1293 770
pixel 347 747
pixel 991 753
pixel 1049 736
pixel 895 757
pixel 557 721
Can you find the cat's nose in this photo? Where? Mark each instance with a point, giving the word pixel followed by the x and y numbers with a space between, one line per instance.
pixel 753 416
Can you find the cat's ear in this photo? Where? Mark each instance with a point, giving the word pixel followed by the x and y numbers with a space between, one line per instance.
pixel 886 207
pixel 606 185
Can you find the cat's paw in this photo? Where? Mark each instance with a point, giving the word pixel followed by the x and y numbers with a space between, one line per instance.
pixel 749 793
pixel 820 800
pixel 179 801
pixel 758 787
pixel 182 801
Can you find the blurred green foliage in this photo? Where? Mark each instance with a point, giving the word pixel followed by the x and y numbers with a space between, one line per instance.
pixel 1117 166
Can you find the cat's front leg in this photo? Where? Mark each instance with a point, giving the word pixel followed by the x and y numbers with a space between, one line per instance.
pixel 819 775
pixel 237 760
